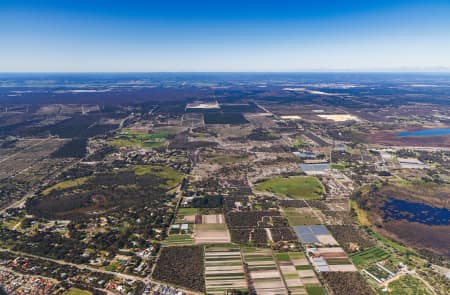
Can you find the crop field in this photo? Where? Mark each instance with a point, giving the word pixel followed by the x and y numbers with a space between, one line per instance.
pixel 369 256
pixel 296 187
pixel 314 234
pixel 211 233
pixel 330 259
pixel 264 274
pixel 179 239
pixel 297 273
pixel 187 211
pixel 224 269
pixel 303 216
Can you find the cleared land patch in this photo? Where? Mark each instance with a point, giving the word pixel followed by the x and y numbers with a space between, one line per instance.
pixel 296 187
pixel 211 229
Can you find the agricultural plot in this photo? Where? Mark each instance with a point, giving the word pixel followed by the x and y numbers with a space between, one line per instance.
pixel 264 274
pixel 369 256
pixel 315 234
pixel 330 259
pixel 297 273
pixel 303 216
pixel 211 229
pixel 179 239
pixel 224 270
pixel 296 187
pixel 378 272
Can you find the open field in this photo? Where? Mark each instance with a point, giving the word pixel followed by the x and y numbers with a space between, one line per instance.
pixel 65 184
pixel 211 233
pixel 296 187
pixel 340 117
pixel 135 138
pixel 303 216
pixel 179 240
pixel 23 159
pixel 76 291
pixel 224 269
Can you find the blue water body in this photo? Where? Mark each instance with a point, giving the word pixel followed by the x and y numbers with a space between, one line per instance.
pixel 426 132
pixel 415 212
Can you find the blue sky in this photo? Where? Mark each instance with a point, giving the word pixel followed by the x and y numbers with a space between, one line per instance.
pixel 245 35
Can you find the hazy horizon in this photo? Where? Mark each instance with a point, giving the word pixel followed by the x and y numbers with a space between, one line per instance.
pixel 255 36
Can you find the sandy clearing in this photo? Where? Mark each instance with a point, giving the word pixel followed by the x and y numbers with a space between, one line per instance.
pixel 310 280
pixel 294 282
pixel 211 269
pixel 344 267
pixel 306 273
pixel 340 117
pixel 302 261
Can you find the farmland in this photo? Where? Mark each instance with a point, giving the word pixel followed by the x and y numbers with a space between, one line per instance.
pixel 369 256
pixel 239 185
pixel 298 273
pixel 296 187
pixel 224 269
pixel 263 270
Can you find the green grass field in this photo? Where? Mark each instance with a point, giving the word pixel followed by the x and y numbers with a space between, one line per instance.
pixel 133 138
pixel 315 290
pixel 179 240
pixel 187 211
pixel 75 291
pixel 65 184
pixel 283 257
pixel 369 256
pixel 296 217
pixel 296 187
pixel 173 177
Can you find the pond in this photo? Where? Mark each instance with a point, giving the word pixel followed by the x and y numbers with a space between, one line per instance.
pixel 415 212
pixel 426 132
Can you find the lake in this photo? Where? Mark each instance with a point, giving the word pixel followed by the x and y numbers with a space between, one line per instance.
pixel 426 132
pixel 415 212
